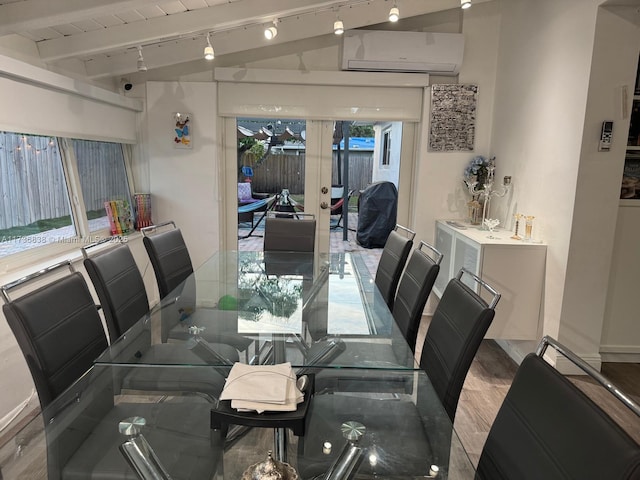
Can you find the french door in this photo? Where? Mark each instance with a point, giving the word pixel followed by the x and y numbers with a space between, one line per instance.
pixel 319 100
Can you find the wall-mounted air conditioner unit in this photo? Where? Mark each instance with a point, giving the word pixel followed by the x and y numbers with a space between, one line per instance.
pixel 389 51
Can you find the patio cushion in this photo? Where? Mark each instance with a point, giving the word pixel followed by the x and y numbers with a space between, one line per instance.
pixel 244 193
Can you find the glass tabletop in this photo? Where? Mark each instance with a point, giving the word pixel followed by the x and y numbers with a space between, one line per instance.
pixel 261 308
pixel 402 436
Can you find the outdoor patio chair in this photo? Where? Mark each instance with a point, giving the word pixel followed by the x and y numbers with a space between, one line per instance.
pixel 248 203
pixel 337 205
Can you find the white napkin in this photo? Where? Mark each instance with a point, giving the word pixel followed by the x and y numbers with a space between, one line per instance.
pixel 262 388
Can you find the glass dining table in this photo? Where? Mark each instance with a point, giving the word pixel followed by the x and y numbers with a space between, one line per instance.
pixel 369 411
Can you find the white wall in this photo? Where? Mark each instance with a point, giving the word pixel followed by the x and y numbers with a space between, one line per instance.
pixel 540 102
pixel 391 172
pixel 551 101
pixel 184 182
pixel 620 331
pixel 439 189
pixel 598 185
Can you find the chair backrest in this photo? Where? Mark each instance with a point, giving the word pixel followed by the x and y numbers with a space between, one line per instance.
pixel 413 291
pixel 58 329
pixel 289 233
pixel 169 257
pixel 119 286
pixel 394 256
pixel 459 324
pixel 548 428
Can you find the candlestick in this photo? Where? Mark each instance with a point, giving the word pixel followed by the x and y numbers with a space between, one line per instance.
pixel 487 191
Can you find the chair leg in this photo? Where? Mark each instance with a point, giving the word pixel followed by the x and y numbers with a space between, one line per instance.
pixel 337 224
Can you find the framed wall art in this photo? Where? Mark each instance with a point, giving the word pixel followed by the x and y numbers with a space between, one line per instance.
pixel 453 117
pixel 182 130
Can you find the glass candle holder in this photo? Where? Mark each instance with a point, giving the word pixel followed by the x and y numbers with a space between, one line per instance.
pixel 528 227
pixel 475 212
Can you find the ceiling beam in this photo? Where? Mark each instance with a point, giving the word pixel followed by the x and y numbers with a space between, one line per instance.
pixel 218 17
pixel 35 14
pixel 245 39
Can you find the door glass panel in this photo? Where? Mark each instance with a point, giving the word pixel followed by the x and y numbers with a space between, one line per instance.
pixel 373 155
pixel 271 173
pixel 271 168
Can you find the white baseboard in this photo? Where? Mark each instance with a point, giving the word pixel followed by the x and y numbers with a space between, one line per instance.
pixel 520 349
pixel 620 353
pixel 516 351
pixel 566 367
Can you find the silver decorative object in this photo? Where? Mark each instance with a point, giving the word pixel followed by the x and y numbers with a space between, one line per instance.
pixel 270 469
pixel 488 190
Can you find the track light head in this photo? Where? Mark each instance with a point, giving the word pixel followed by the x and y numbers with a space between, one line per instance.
pixel 464 4
pixel 142 67
pixel 271 32
pixel 208 50
pixel 338 27
pixel 394 14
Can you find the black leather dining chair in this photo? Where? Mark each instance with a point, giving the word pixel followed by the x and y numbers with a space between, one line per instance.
pixel 169 256
pixel 289 232
pixel 548 428
pixel 60 333
pixel 392 261
pixel 173 270
pixel 414 290
pixel 123 298
pixel 459 324
pixel 58 329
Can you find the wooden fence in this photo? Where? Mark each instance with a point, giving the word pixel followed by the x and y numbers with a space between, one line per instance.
pixel 287 171
pixel 32 181
pixel 101 171
pixel 33 184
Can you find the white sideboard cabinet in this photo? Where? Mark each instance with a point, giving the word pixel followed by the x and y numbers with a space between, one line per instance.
pixel 514 268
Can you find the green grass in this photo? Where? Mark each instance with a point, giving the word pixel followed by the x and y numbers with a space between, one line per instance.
pixel 45 225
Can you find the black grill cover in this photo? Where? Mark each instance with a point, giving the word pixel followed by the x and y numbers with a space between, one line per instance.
pixel 377 214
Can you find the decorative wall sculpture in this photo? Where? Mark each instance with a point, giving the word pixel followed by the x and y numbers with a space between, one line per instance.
pixel 453 117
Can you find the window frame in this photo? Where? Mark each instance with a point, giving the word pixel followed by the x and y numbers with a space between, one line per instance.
pixel 52 252
pixel 385 152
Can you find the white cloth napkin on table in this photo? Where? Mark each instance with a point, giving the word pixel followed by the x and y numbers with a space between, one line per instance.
pixel 262 388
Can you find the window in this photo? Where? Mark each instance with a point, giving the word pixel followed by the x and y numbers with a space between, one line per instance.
pixel 34 206
pixel 386 147
pixel 103 178
pixel 37 180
